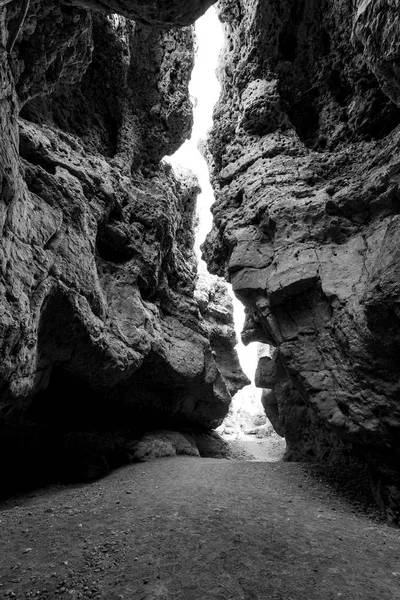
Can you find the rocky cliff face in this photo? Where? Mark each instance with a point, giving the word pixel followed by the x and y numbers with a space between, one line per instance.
pixel 100 326
pixel 306 223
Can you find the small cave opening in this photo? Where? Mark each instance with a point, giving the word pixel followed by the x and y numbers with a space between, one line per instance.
pixel 247 418
pixel 69 403
pixel 73 434
pixel 73 402
pixel 114 241
pixel 80 438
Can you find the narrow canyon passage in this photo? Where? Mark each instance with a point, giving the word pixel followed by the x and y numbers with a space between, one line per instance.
pixel 205 90
pixel 114 352
pixel 188 528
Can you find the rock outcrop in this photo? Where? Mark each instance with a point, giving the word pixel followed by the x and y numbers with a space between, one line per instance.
pixel 100 326
pixel 157 13
pixel 216 308
pixel 306 169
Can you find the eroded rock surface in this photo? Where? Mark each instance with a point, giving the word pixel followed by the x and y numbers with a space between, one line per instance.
pixel 100 326
pixel 216 308
pixel 159 13
pixel 306 222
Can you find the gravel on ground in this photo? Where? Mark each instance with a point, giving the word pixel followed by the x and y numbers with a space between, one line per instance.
pixel 190 528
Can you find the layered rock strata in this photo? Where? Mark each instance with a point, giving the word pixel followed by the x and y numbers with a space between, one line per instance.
pixel 100 326
pixel 306 172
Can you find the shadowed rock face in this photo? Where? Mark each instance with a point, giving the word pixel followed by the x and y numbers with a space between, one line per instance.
pixel 159 13
pixel 156 13
pixel 306 222
pixel 376 33
pixel 100 326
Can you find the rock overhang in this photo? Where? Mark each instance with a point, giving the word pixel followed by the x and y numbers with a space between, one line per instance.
pixel 98 272
pixel 162 13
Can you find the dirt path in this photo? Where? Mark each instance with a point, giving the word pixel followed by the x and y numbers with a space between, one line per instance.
pixel 196 529
pixel 270 449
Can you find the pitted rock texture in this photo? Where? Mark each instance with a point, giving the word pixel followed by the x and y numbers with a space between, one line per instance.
pixel 159 13
pixel 132 105
pixel 376 31
pixel 100 326
pixel 216 308
pixel 306 220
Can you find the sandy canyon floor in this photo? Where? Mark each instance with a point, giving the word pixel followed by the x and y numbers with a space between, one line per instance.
pixel 196 529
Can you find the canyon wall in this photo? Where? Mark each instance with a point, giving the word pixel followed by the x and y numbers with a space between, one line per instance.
pixel 101 327
pixel 306 170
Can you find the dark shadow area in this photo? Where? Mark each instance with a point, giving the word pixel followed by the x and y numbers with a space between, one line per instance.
pixel 114 242
pixel 349 479
pixel 73 432
pixel 288 45
pixel 305 119
pixel 327 90
pixel 89 109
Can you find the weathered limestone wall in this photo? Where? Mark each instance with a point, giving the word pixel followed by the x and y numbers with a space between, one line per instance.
pixel 306 169
pixel 100 326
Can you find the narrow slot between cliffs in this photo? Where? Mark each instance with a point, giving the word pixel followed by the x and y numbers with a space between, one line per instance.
pixel 246 413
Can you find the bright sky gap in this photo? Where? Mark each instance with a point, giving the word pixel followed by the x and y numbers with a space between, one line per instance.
pixel 204 89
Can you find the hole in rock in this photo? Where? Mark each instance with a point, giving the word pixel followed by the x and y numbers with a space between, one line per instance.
pixel 246 418
pixel 73 403
pixel 72 434
pixel 114 242
pixel 305 119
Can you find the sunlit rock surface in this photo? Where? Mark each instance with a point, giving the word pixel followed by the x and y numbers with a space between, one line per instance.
pixel 306 169
pixel 100 326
